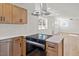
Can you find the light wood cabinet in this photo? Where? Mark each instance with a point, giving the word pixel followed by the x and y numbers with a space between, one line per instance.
pixel 13 47
pixel 1 13
pixel 16 47
pixel 6 47
pixel 23 16
pixel 7 13
pixel 19 15
pixel 19 46
pixel 54 49
pixel 23 46
pixel 71 44
pixel 11 14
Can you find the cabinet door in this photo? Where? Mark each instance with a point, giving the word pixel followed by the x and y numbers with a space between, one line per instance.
pixel 19 15
pixel 16 15
pixel 51 49
pixel 7 13
pixel 0 12
pixel 51 53
pixel 23 16
pixel 71 45
pixel 16 46
pixel 23 46
pixel 6 47
pixel 54 49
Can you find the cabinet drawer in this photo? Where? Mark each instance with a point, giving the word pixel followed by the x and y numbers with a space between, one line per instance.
pixel 51 49
pixel 51 45
pixel 51 53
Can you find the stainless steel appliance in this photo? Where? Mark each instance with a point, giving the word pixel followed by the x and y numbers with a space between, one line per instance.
pixel 34 42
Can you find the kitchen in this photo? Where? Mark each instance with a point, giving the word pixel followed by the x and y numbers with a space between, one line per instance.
pixel 58 36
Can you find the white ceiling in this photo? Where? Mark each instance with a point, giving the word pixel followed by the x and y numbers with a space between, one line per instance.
pixel 70 10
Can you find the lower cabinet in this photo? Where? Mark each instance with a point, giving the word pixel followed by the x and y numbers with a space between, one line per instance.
pixel 54 49
pixel 6 47
pixel 13 47
pixel 71 44
pixel 19 46
pixel 16 46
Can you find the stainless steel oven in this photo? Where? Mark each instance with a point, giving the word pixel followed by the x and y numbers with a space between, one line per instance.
pixel 33 42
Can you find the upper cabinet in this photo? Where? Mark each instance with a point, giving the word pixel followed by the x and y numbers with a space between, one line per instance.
pixel 7 13
pixel 11 14
pixel 0 12
pixel 19 15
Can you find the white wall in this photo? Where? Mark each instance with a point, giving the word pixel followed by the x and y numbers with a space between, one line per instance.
pixel 67 10
pixel 66 25
pixel 50 29
pixel 73 27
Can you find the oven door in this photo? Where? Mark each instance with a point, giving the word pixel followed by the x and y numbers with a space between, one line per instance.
pixel 32 44
pixel 30 47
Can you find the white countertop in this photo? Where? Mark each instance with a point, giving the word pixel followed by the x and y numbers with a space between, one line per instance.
pixel 55 38
pixel 9 36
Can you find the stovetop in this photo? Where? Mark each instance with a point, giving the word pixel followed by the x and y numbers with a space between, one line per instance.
pixel 36 41
pixel 36 36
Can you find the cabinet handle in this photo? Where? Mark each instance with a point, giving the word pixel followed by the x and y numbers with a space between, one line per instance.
pixel 0 18
pixel 20 44
pixel 3 19
pixel 20 20
pixel 51 46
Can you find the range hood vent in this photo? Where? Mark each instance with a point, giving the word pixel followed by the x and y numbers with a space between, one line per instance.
pixel 40 9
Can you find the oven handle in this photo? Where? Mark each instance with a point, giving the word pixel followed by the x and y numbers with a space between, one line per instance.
pixel 35 43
